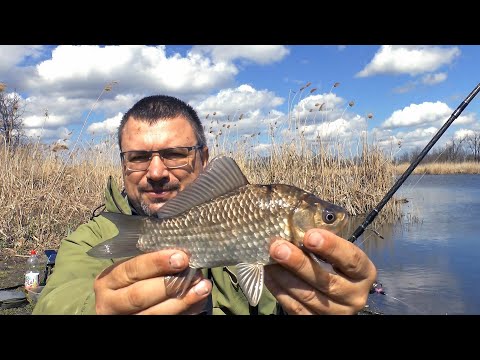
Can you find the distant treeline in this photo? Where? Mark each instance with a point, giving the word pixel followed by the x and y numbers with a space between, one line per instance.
pixel 466 149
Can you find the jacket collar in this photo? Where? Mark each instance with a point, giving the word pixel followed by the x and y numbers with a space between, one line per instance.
pixel 115 200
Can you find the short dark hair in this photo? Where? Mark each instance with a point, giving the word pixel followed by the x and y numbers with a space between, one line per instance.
pixel 153 108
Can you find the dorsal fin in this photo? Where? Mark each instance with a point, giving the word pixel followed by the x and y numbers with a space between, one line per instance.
pixel 221 176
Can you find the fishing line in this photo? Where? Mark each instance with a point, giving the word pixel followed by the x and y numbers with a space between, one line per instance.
pixel 377 288
pixel 411 187
pixel 373 214
pixel 408 305
pixel 399 300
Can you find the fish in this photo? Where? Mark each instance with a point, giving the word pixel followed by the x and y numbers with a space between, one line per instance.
pixel 220 220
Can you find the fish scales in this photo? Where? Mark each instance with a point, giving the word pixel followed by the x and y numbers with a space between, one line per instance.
pixel 237 227
pixel 220 220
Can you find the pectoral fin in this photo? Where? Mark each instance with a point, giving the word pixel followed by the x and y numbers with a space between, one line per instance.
pixel 250 278
pixel 323 264
pixel 177 285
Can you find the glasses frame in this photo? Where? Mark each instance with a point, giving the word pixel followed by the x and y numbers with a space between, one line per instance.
pixel 159 153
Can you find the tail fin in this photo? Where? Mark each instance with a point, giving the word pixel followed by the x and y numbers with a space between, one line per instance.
pixel 125 243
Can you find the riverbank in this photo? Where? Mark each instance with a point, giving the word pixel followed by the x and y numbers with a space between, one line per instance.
pixel 12 269
pixel 442 168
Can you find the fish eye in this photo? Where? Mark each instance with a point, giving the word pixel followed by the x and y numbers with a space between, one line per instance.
pixel 329 217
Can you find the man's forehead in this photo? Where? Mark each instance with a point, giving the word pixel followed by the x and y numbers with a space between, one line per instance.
pixel 158 126
pixel 149 122
pixel 169 132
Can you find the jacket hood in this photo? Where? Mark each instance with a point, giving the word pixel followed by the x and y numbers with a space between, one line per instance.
pixel 115 200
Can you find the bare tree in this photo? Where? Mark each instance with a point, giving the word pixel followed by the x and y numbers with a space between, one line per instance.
pixel 11 117
pixel 453 151
pixel 473 143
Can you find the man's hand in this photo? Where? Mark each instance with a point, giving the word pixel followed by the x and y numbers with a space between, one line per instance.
pixel 137 286
pixel 302 286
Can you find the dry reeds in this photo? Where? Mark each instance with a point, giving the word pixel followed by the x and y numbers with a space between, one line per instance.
pixel 47 192
pixel 36 210
pixel 438 168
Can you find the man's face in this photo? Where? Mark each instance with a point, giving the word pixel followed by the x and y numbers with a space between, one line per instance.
pixel 148 190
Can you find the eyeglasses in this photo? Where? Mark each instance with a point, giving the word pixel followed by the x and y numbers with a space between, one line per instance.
pixel 173 158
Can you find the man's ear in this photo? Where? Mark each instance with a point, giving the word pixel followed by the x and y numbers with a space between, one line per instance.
pixel 205 156
pixel 124 168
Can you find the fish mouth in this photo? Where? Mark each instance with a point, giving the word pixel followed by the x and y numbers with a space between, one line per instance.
pixel 342 228
pixel 343 222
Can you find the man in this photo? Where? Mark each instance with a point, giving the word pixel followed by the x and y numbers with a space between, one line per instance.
pixel 81 284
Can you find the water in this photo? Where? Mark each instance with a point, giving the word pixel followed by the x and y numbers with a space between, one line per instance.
pixel 429 263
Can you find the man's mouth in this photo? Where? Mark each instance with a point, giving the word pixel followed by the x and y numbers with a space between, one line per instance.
pixel 161 194
pixel 158 192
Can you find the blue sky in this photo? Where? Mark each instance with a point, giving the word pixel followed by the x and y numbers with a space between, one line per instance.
pixel 397 93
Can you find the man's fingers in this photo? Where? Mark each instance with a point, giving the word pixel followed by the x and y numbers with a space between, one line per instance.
pixel 289 305
pixel 142 267
pixel 346 257
pixel 133 298
pixel 150 296
pixel 300 298
pixel 193 302
pixel 308 283
pixel 307 270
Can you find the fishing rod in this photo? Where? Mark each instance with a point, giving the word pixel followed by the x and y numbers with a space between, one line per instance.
pixel 373 214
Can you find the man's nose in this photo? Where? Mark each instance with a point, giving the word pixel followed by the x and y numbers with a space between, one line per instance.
pixel 157 169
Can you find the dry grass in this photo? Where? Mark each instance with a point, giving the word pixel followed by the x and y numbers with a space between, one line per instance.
pixel 442 168
pixel 47 192
pixel 44 194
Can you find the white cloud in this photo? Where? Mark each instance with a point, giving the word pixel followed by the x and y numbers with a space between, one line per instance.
pixel 337 128
pixel 49 134
pixel 418 114
pixel 109 126
pixel 409 86
pixel 386 139
pixel 428 79
pixel 121 102
pixel 412 60
pixel 420 134
pixel 12 55
pixel 50 121
pixel 68 83
pixel 463 133
pixel 261 54
pixel 144 68
pixel 61 110
pixel 466 119
pixel 432 79
pixel 324 107
pixel 262 149
pixel 331 117
pixel 236 101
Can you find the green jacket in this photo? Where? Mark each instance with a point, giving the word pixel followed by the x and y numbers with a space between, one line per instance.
pixel 69 289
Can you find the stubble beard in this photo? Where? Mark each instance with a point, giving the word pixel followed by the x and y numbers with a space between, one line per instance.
pixel 146 208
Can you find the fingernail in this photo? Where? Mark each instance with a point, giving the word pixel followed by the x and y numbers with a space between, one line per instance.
pixel 314 240
pixel 176 261
pixel 201 288
pixel 282 252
